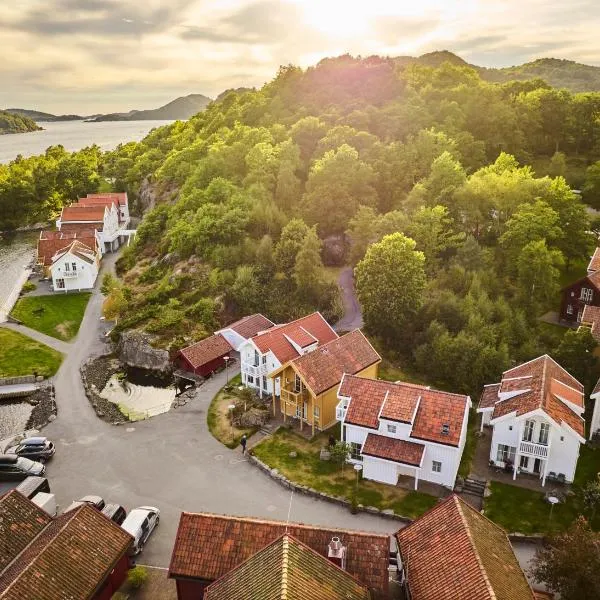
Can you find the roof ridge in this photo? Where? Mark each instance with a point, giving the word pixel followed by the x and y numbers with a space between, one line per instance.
pixel 284 566
pixel 488 584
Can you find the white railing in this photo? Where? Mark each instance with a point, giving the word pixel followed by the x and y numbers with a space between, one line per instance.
pixel 254 371
pixel 531 449
pixel 340 411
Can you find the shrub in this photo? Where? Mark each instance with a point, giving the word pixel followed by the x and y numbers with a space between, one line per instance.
pixel 137 576
pixel 28 286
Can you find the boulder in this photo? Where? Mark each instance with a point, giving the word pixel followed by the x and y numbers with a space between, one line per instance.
pixel 254 417
pixel 135 350
pixel 334 250
pixel 325 454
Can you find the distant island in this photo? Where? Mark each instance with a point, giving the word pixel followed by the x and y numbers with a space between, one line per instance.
pixel 41 117
pixel 179 109
pixel 11 123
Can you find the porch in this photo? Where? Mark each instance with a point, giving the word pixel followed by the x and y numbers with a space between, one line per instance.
pixel 481 468
pixel 294 423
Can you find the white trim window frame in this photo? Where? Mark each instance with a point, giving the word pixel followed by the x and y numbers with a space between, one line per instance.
pixel 436 466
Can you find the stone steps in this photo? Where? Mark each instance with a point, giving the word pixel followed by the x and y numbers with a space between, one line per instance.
pixel 474 486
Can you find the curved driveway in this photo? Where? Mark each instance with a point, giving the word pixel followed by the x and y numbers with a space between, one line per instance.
pixel 352 318
pixel 170 461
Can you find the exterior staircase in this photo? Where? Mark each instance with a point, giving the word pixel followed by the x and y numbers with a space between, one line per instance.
pixel 475 487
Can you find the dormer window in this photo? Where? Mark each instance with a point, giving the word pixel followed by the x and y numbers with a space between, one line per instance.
pixel 391 428
pixel 445 429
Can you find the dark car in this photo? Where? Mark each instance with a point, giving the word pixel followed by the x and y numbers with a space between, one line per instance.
pixel 16 468
pixel 35 448
pixel 115 512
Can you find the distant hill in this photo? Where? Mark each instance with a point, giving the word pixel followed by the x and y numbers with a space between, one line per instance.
pixel 181 108
pixel 239 90
pixel 559 73
pixel 41 117
pixel 10 123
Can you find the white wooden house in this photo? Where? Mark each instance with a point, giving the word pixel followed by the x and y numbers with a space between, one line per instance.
pixel 536 413
pixel 75 268
pixel 401 429
pixel 269 350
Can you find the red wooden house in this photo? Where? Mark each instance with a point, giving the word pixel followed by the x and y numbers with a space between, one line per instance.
pixel 579 294
pixel 205 356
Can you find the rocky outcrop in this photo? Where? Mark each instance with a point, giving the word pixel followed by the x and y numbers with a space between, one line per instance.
pixel 95 373
pixel 136 351
pixel 334 250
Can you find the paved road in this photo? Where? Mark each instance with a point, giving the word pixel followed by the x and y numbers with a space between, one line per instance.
pixel 58 345
pixel 352 318
pixel 170 461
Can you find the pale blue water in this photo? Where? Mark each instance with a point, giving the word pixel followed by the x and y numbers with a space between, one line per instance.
pixel 74 135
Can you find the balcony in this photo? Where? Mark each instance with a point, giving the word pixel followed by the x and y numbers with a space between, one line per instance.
pixel 69 274
pixel 293 398
pixel 535 450
pixel 340 410
pixel 255 370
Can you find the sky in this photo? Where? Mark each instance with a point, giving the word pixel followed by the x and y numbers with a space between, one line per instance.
pixel 91 56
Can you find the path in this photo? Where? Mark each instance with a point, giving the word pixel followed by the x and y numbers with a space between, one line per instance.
pixel 38 336
pixel 352 318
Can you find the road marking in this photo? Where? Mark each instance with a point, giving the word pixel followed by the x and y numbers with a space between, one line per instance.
pixel 218 457
pixel 271 508
pixel 235 461
pixel 130 429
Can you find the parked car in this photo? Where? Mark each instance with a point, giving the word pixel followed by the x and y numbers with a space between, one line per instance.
pixel 30 486
pixel 35 448
pixel 140 523
pixel 115 512
pixel 16 468
pixel 95 501
pixel 46 502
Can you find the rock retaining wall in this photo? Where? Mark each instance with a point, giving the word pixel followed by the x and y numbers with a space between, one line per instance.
pixel 95 373
pixel 44 407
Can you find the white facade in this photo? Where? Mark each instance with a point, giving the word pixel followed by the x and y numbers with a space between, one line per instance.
pixel 72 273
pixel 534 443
pixel 439 463
pixel 595 423
pixel 255 367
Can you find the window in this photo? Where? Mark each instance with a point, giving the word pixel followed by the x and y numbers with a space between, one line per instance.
pixel 544 431
pixel 256 362
pixel 264 359
pixel 317 412
pixel 586 294
pixel 355 451
pixel 297 383
pixel 60 284
pixel 250 380
pixel 570 309
pixel 524 462
pixel 391 428
pixel 67 267
pixel 436 466
pixel 264 383
pixel 74 266
pixel 528 431
pixel 506 453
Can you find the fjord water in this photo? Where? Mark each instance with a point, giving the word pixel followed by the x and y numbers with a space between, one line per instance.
pixel 74 135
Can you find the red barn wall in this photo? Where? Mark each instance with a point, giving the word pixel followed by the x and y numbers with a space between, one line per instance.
pixel 571 296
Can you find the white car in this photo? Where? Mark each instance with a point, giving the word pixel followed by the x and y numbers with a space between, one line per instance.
pixel 140 523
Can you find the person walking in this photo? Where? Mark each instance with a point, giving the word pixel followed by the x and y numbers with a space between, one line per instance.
pixel 243 442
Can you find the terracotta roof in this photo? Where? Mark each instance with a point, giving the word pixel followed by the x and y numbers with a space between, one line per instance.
pixel 591 318
pixel 251 325
pixel 93 214
pixel 434 409
pixel 206 350
pixel 50 242
pixel 106 201
pixel 70 226
pixel 547 382
pixel 594 264
pixel 515 384
pixel 539 595
pixel 76 248
pixel 20 522
pixel 275 338
pixel 452 551
pixel 208 546
pixel 302 338
pixel 400 451
pixel 323 368
pixel 489 396
pixel 120 196
pixel 69 558
pixel 287 569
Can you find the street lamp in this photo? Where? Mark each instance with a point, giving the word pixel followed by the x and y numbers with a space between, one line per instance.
pixel 226 359
pixel 231 407
pixel 358 469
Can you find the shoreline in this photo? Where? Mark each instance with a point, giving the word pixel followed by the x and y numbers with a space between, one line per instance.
pixel 13 296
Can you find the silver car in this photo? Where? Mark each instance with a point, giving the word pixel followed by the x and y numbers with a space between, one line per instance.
pixel 140 523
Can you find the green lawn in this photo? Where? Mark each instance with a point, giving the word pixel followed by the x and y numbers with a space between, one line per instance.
pixel 58 316
pixel 394 372
pixel 307 469
pixel 23 356
pixel 470 445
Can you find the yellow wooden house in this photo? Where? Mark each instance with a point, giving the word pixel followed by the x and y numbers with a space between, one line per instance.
pixel 309 383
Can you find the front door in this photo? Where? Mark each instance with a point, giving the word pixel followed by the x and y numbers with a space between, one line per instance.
pixel 305 411
pixel 524 463
pixel 536 465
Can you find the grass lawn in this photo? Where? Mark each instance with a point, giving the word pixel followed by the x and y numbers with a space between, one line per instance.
pixel 328 477
pixel 394 372
pixel 23 356
pixel 58 316
pixel 218 420
pixel 469 450
pixel 525 511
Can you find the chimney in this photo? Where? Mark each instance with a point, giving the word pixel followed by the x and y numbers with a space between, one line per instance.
pixel 336 552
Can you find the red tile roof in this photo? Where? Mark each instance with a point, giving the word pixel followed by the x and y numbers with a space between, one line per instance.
pixel 302 338
pixel 591 319
pixel 434 409
pixel 108 202
pixel 276 341
pixel 594 264
pixel 489 396
pixel 92 214
pixel 453 552
pixel 76 248
pixel 516 384
pixel 288 569
pixel 206 350
pixel 400 451
pixel 208 546
pixel 323 368
pixel 120 196
pixel 69 558
pixel 547 382
pixel 251 325
pixel 50 242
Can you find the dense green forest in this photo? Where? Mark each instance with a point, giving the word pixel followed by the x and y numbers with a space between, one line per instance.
pixel 10 123
pixel 451 194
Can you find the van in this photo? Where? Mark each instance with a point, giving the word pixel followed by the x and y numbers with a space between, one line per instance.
pixel 140 523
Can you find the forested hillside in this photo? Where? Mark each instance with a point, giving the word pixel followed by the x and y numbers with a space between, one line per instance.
pixel 10 123
pixel 252 192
